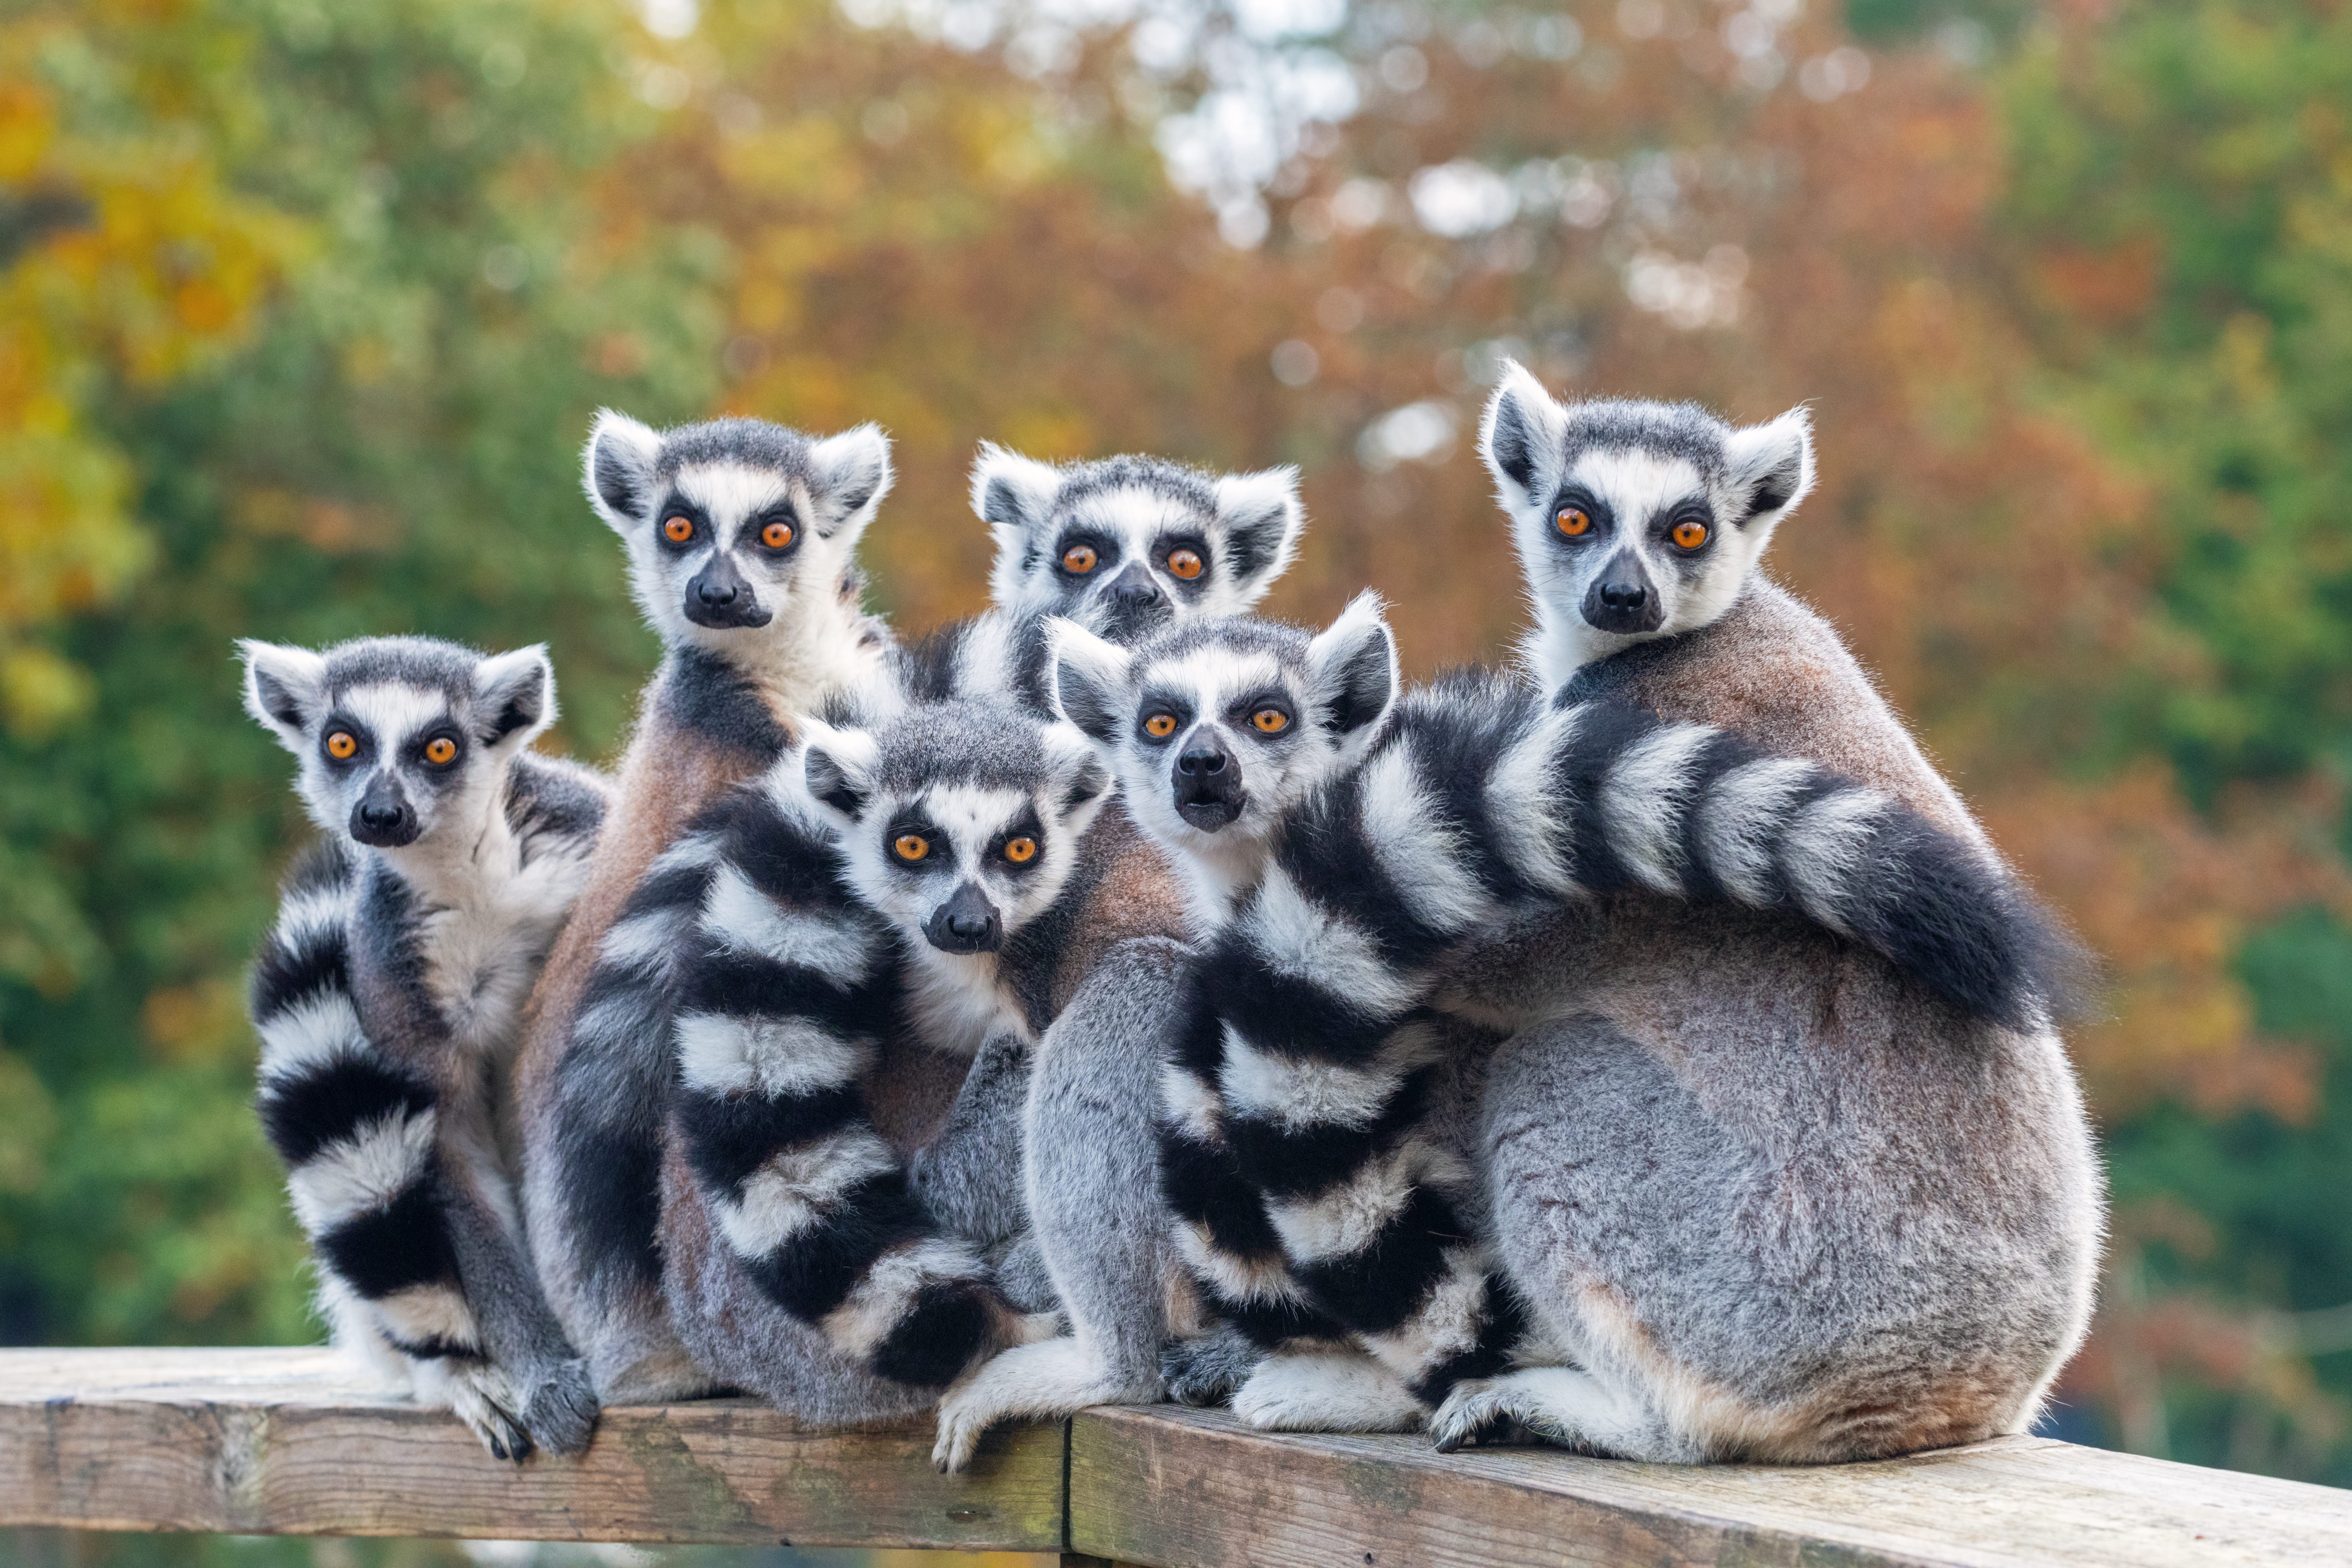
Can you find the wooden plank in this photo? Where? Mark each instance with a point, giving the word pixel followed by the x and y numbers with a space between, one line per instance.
pixel 1181 1488
pixel 280 1441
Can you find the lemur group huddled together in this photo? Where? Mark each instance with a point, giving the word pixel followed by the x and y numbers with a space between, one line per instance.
pixel 1118 997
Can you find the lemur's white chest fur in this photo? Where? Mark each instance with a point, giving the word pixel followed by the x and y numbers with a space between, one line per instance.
pixel 486 918
pixel 960 1001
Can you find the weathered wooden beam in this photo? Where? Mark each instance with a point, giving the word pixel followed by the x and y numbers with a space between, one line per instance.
pixel 274 1441
pixel 278 1442
pixel 1181 1488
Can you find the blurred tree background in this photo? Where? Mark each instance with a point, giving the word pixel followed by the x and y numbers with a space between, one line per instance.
pixel 304 310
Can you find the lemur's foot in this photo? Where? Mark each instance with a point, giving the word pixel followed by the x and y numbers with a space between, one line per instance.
pixel 1206 1371
pixel 1043 1381
pixel 1557 1406
pixel 1326 1391
pixel 560 1409
pixel 480 1394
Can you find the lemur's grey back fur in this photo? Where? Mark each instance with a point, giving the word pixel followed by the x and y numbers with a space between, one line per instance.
pixel 741 540
pixel 389 999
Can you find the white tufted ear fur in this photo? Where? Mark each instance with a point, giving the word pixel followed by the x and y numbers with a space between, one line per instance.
pixel 617 468
pixel 1263 520
pixel 514 694
pixel 1351 674
pixel 285 688
pixel 853 475
pixel 836 771
pixel 1773 465
pixel 1090 679
pixel 1015 496
pixel 1081 783
pixel 1520 438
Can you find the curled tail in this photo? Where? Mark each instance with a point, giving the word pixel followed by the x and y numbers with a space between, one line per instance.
pixel 1482 798
pixel 356 1129
pixel 1479 801
pixel 785 987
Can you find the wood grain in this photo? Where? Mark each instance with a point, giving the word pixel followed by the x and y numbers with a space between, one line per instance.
pixel 278 1442
pixel 1181 1488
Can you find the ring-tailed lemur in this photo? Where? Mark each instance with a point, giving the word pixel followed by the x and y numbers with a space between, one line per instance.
pixel 389 999
pixel 1123 545
pixel 1902 1201
pixel 1363 846
pixel 916 882
pixel 742 537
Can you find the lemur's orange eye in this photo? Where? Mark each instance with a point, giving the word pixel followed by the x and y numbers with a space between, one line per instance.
pixel 1021 851
pixel 1079 559
pixel 1574 522
pixel 342 745
pixel 776 535
pixel 910 847
pixel 1270 720
pixel 1160 726
pixel 1690 533
pixel 678 530
pixel 1185 563
pixel 440 750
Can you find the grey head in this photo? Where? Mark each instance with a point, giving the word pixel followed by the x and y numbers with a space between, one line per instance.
pixel 1216 729
pixel 960 822
pixel 1121 545
pixel 399 738
pixel 1633 520
pixel 734 526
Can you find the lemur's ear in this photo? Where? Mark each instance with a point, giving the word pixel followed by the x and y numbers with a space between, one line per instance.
pixel 1015 496
pixel 1772 463
pixel 852 474
pixel 617 468
pixel 1080 781
pixel 1089 680
pixel 838 769
pixel 285 688
pixel 1351 673
pixel 1262 521
pixel 1521 438
pixel 514 695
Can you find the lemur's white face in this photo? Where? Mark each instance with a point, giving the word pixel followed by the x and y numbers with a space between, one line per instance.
pixel 1217 731
pixel 401 742
pixel 733 529
pixel 1634 520
pixel 958 850
pixel 1125 546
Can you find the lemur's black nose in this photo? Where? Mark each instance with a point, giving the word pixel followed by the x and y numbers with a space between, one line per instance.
pixel 714 593
pixel 967 923
pixel 1134 588
pixel 1201 759
pixel 383 818
pixel 719 597
pixel 1624 595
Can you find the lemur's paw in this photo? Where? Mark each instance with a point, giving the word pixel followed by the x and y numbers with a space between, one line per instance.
pixel 1334 1391
pixel 1511 1411
pixel 561 1411
pixel 1205 1372
pixel 480 1394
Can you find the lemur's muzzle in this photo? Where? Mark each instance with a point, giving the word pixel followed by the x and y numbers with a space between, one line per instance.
pixel 967 923
pixel 720 597
pixel 1208 782
pixel 1134 603
pixel 1624 599
pixel 382 818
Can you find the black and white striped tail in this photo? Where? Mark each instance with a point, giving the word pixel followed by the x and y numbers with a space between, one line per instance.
pixel 1480 802
pixel 355 1129
pixel 785 989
